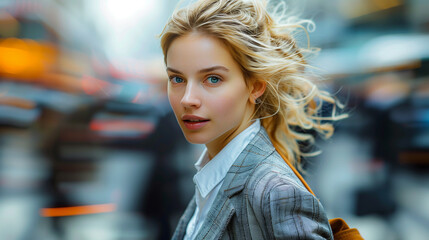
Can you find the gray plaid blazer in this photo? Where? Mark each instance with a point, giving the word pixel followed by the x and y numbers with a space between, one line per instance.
pixel 260 198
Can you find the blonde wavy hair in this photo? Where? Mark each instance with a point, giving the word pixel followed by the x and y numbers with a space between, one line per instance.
pixel 266 50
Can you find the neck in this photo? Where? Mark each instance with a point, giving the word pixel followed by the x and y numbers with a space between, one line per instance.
pixel 214 147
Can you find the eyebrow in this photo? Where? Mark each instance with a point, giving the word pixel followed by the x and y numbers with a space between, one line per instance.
pixel 204 70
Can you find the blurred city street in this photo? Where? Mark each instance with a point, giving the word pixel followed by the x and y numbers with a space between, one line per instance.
pixel 90 149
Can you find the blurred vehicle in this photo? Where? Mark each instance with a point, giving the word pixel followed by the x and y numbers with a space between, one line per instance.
pixel 30 52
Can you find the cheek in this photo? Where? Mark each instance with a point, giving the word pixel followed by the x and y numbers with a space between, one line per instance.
pixel 174 100
pixel 230 105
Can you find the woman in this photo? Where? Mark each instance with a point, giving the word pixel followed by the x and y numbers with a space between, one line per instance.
pixel 237 83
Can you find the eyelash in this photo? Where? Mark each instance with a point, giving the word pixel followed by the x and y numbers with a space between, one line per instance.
pixel 215 76
pixel 171 78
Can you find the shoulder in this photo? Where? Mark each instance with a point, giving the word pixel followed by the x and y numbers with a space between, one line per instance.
pixel 273 180
pixel 270 174
pixel 280 200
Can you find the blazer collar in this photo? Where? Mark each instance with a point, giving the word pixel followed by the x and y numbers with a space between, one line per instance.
pixel 259 148
pixel 223 206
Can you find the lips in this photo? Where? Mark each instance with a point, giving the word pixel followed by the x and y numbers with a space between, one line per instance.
pixel 193 122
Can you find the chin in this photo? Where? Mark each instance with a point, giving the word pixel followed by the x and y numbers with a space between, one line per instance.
pixel 195 139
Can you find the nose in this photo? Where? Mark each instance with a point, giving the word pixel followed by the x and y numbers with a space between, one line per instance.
pixel 191 98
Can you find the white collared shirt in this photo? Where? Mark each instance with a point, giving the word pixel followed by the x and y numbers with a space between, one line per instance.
pixel 211 173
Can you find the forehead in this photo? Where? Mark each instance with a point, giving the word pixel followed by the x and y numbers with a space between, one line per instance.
pixel 196 51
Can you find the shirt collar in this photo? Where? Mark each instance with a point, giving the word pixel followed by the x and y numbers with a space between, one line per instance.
pixel 212 172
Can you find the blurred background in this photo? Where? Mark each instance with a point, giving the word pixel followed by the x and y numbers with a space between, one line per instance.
pixel 89 147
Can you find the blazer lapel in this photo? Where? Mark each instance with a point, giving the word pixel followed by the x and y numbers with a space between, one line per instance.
pixel 180 231
pixel 217 218
pixel 258 149
pixel 224 206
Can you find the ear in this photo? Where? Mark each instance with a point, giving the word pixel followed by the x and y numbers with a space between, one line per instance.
pixel 257 88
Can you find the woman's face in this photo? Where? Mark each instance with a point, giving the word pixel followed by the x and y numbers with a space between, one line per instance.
pixel 207 91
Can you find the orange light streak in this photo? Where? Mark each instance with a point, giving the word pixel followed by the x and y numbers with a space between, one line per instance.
pixel 121 125
pixel 17 102
pixel 77 210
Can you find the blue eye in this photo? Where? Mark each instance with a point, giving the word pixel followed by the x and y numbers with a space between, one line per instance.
pixel 177 80
pixel 213 79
